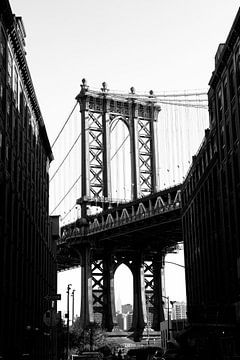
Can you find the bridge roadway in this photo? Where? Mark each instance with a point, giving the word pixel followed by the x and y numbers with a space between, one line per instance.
pixel 151 224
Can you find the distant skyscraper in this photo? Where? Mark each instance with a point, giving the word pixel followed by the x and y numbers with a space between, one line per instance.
pixel 127 308
pixel 179 311
pixel 120 321
pixel 118 304
pixel 129 318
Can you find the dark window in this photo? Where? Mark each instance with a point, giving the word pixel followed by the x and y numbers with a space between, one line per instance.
pixel 225 95
pixel 21 101
pixel 234 126
pixel 238 70
pixel 3 50
pixel 1 144
pixel 231 83
pixel 227 136
pixel 15 86
pixel 219 105
pixel 222 142
pixel 10 62
pixel 236 168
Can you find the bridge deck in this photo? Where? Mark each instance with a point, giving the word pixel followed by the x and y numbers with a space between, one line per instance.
pixel 150 224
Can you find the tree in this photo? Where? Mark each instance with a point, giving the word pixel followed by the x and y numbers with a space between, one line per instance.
pixel 89 339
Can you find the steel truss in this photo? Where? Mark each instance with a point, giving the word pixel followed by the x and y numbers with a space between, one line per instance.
pixel 98 112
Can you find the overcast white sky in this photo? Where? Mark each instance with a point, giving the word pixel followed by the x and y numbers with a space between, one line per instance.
pixel 148 44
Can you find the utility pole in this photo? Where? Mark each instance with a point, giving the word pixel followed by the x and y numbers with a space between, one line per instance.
pixel 168 315
pixel 73 305
pixel 68 290
pixel 148 301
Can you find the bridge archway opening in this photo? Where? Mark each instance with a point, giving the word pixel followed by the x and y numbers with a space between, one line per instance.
pixel 120 160
pixel 123 288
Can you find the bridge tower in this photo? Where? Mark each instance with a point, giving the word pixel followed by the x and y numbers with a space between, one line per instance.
pixel 99 111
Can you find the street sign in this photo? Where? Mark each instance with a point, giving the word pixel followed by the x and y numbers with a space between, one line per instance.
pixel 50 318
pixel 53 297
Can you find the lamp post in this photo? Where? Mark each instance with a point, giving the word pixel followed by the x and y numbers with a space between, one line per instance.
pixel 73 305
pixel 148 301
pixel 68 291
pixel 168 329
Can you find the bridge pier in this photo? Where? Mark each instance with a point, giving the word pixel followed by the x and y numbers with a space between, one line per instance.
pixel 158 314
pixel 109 311
pixel 139 301
pixel 86 314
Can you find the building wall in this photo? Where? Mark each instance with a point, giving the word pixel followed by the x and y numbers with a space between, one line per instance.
pixel 179 311
pixel 211 199
pixel 27 257
pixel 126 308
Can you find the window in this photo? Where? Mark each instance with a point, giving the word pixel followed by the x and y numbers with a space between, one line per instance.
pixel 234 128
pixel 21 101
pixel 231 83
pixel 238 70
pixel 225 95
pixel 222 143
pixel 3 46
pixel 236 168
pixel 10 62
pixel 227 136
pixel 15 86
pixel 219 103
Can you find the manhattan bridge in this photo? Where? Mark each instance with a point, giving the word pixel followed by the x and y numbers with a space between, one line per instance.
pixel 116 185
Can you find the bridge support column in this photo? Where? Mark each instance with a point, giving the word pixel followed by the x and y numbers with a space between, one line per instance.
pixel 109 311
pixel 158 314
pixel 86 315
pixel 139 303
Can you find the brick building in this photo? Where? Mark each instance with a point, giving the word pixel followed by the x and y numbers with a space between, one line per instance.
pixel 211 209
pixel 27 256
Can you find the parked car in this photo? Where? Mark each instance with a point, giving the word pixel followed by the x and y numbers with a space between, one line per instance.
pixel 158 354
pixel 143 353
pixel 88 355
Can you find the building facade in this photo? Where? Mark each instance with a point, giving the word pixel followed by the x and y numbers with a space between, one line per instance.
pixel 179 310
pixel 27 256
pixel 211 208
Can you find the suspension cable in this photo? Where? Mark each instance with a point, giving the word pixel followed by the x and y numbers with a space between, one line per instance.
pixel 186 105
pixel 64 125
pixel 64 197
pixel 69 211
pixel 66 156
pixel 121 145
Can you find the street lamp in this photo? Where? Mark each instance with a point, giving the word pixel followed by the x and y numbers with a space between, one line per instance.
pixel 172 303
pixel 68 290
pixel 148 301
pixel 73 305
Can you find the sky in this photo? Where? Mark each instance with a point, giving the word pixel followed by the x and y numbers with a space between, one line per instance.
pixel 148 44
